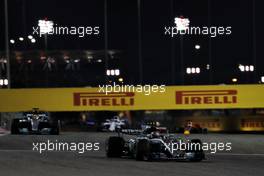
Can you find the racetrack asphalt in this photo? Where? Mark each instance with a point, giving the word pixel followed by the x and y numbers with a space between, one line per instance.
pixel 18 159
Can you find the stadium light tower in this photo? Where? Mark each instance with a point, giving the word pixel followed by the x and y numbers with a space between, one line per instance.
pixel 234 80
pixel 246 68
pixel 3 82
pixel 12 41
pixel 33 40
pixel 197 47
pixel 193 70
pixel 45 27
pixel 7 45
pixel 113 72
pixel 21 39
pixel 182 24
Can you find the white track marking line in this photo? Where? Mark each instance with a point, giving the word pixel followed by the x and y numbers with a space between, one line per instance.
pixel 3 134
pixel 211 154
pixel 236 154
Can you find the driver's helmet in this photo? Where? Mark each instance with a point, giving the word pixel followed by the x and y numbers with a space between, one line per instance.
pixel 150 130
pixel 155 134
pixel 35 117
pixel 189 123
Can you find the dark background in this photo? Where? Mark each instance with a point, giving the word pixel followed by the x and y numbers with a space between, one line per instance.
pixel 160 53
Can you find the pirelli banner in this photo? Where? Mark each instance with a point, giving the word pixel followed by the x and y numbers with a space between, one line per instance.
pixel 171 97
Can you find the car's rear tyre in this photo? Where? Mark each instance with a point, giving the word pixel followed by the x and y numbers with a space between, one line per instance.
pixel 196 141
pixel 205 131
pixel 115 147
pixel 198 152
pixel 143 150
pixel 14 126
pixel 55 129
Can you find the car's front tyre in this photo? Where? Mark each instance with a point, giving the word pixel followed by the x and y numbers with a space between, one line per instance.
pixel 114 147
pixel 14 126
pixel 143 150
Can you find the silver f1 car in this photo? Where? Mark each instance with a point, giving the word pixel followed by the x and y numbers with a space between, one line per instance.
pixel 150 145
pixel 34 123
pixel 114 124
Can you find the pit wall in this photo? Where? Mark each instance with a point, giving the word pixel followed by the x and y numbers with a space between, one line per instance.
pixel 170 98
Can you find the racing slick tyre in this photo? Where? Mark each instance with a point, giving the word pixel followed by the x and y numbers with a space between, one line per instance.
pixel 14 126
pixel 55 130
pixel 143 150
pixel 198 152
pixel 205 131
pixel 114 147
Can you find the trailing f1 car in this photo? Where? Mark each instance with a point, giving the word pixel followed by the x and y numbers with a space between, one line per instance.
pixel 196 128
pixel 34 123
pixel 114 124
pixel 151 145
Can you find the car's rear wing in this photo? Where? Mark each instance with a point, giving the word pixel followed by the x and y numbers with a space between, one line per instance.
pixel 140 131
pixel 132 131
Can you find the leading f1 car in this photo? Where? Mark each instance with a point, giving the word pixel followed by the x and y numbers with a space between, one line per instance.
pixel 151 145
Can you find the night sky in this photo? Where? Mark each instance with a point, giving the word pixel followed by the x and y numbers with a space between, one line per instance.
pixel 158 51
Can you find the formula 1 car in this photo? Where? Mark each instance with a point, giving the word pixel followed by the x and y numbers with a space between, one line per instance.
pixel 34 123
pixel 193 129
pixel 198 129
pixel 113 124
pixel 150 124
pixel 151 145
